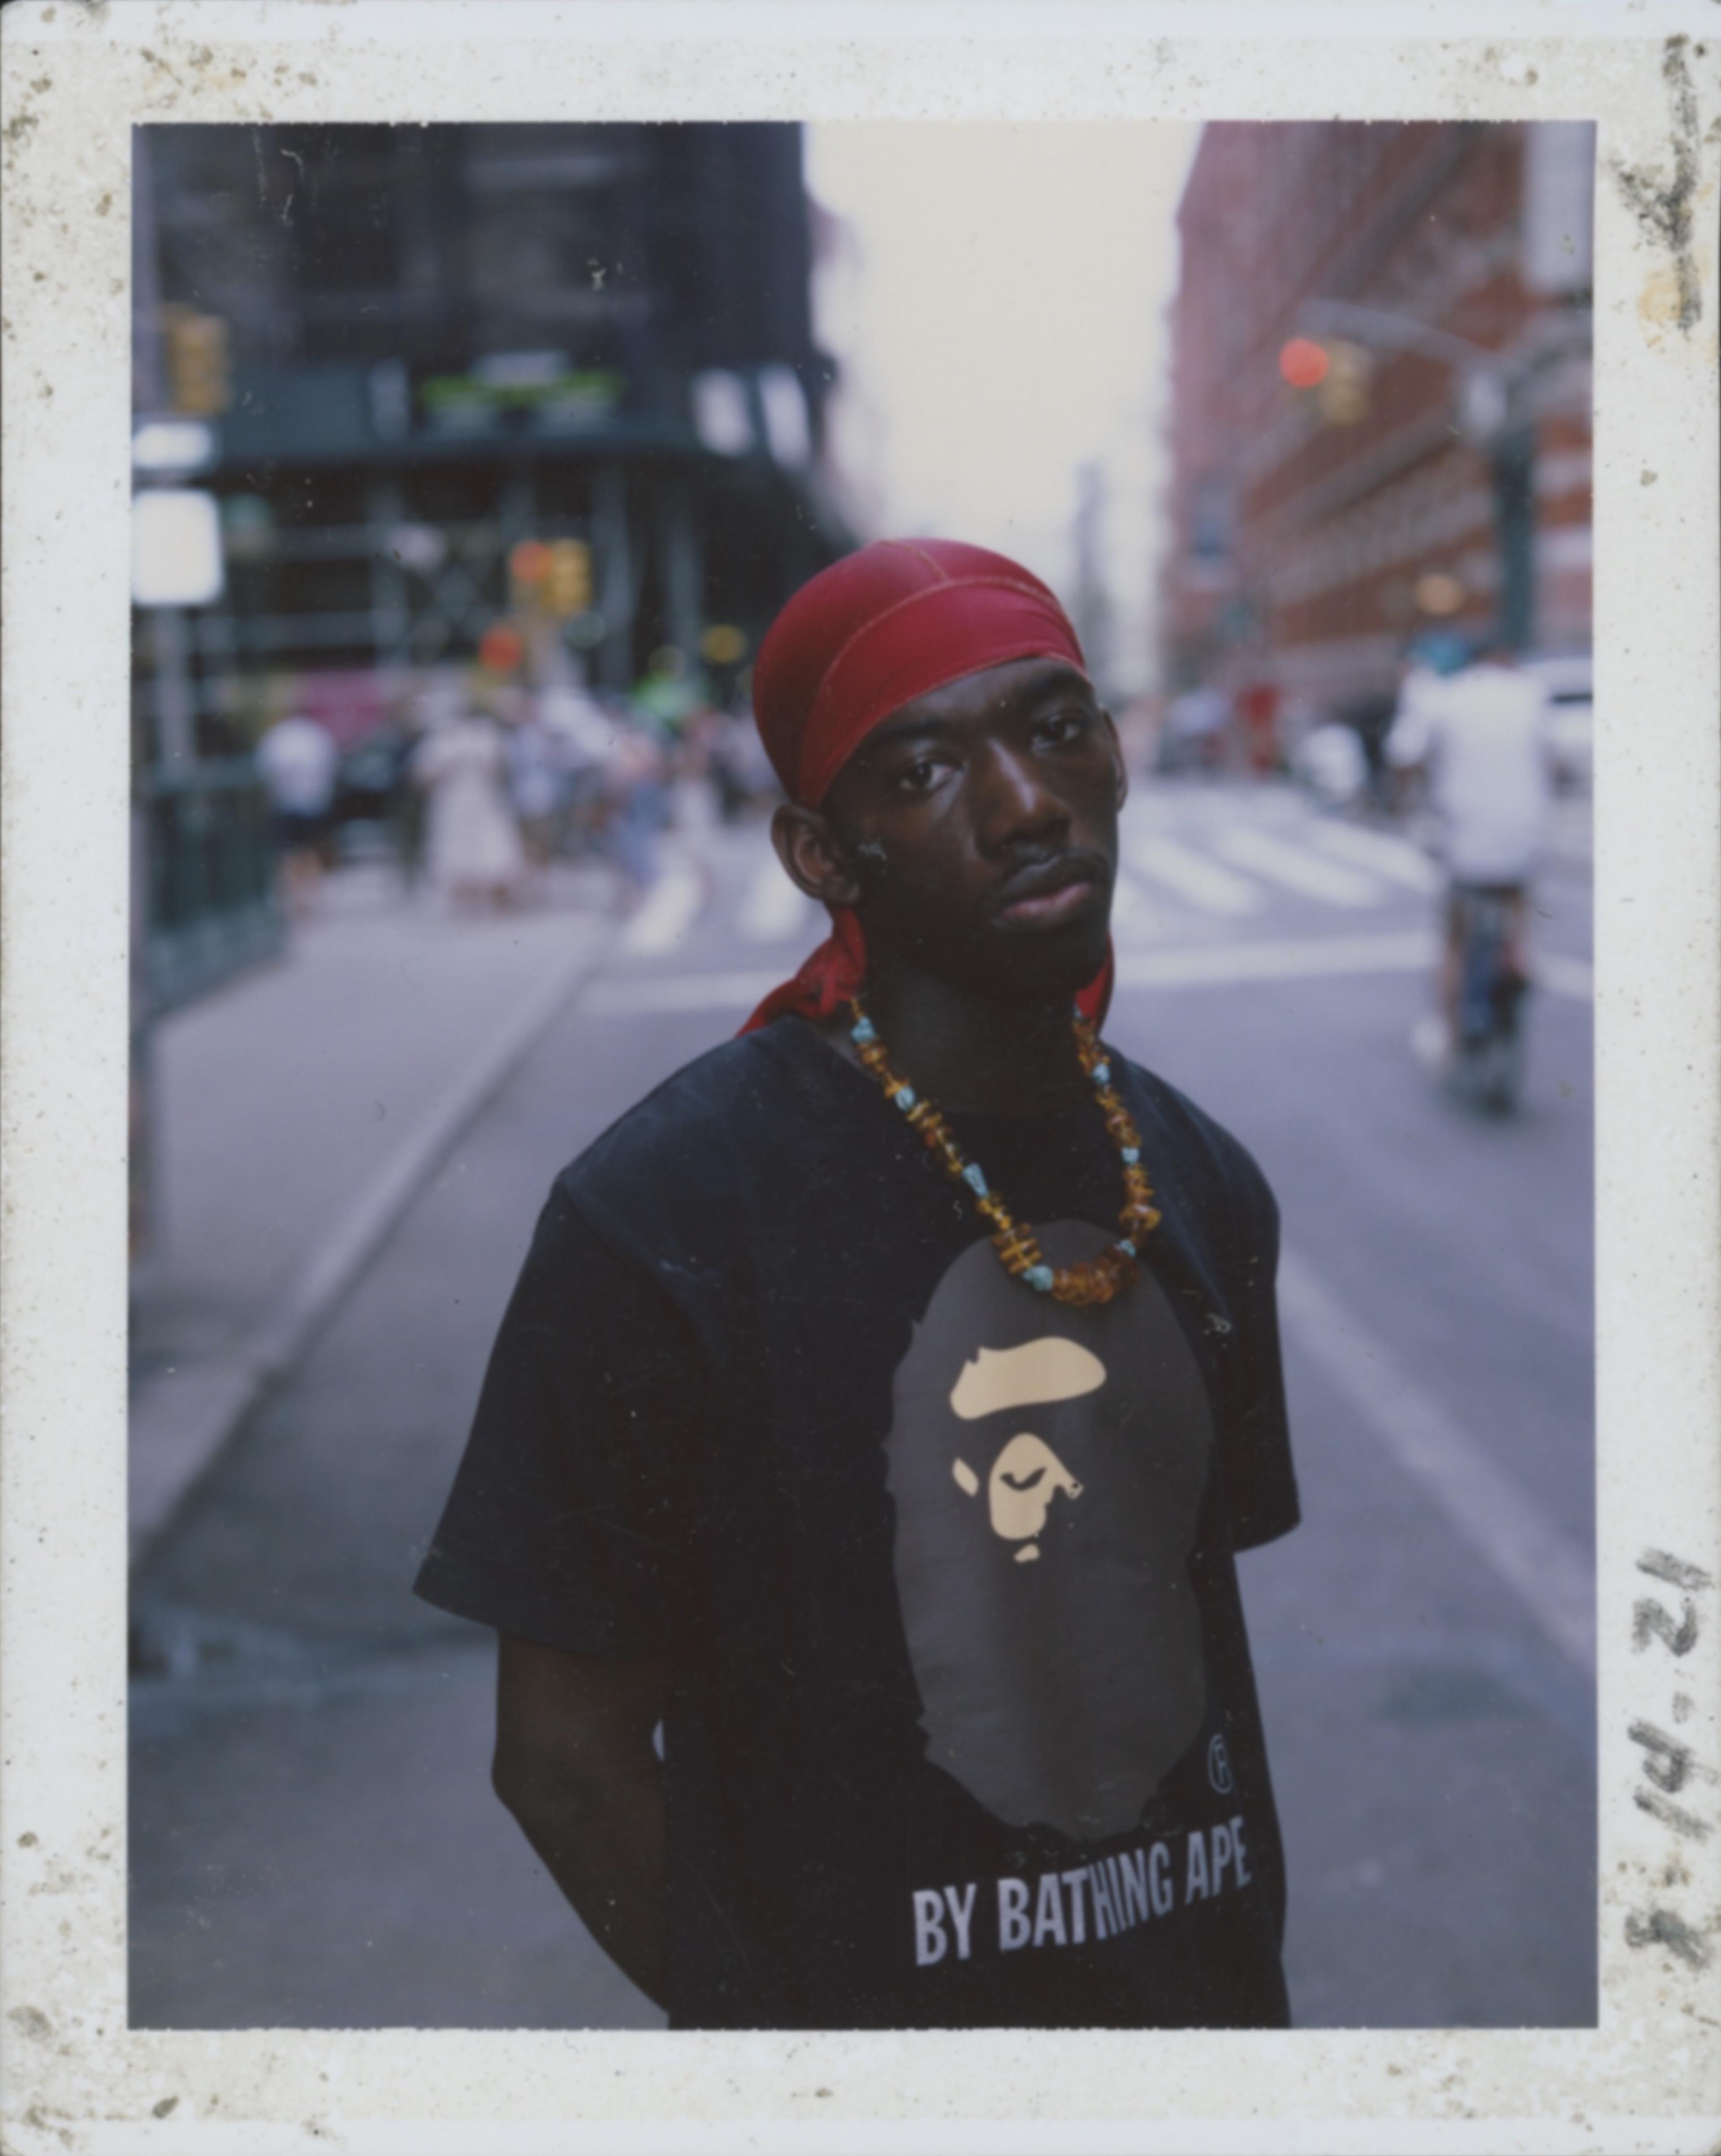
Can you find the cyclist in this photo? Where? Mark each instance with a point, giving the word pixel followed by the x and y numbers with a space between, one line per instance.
pixel 1480 737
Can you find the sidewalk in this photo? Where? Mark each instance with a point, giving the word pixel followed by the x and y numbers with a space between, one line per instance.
pixel 296 1113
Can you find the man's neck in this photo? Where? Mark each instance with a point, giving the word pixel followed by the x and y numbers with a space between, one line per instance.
pixel 971 1053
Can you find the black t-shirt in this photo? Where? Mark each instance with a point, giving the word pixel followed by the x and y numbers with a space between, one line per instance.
pixel 963 1730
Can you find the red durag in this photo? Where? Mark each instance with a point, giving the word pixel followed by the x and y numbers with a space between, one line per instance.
pixel 866 636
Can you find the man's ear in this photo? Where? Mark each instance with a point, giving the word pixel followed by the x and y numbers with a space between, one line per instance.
pixel 812 856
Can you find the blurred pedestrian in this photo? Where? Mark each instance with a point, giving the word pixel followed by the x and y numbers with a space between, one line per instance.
pixel 299 761
pixel 537 785
pixel 1480 739
pixel 582 739
pixel 407 801
pixel 635 774
pixel 473 842
pixel 1258 714
pixel 916 1537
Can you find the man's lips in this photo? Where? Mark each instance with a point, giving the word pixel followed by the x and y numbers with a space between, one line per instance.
pixel 1051 892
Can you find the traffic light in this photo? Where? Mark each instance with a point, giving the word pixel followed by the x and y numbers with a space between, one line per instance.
pixel 567 578
pixel 1344 393
pixel 197 379
pixel 1336 374
pixel 529 564
pixel 1303 363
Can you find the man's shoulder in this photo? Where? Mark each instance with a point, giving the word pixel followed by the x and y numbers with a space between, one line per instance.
pixel 1206 1158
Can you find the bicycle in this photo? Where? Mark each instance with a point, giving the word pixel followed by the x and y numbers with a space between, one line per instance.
pixel 1488 1038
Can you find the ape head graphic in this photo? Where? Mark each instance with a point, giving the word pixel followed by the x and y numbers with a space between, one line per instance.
pixel 1046 1464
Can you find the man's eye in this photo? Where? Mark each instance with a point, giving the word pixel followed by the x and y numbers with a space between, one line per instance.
pixel 1062 727
pixel 917 777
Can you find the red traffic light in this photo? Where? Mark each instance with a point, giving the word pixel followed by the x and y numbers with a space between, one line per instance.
pixel 1303 363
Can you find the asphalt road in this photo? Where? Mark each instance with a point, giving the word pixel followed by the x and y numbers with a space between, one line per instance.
pixel 313 1840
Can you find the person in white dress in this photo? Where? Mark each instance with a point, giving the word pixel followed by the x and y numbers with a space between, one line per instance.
pixel 473 842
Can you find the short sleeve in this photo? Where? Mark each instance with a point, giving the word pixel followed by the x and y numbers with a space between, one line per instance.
pixel 564 1523
pixel 1260 1481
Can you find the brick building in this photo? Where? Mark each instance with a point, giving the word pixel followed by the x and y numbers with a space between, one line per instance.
pixel 1433 467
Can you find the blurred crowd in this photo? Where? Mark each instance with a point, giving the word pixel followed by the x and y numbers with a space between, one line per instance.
pixel 475 788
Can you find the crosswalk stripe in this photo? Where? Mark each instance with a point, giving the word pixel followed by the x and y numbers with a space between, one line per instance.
pixel 1135 918
pixel 667 914
pixel 773 910
pixel 1192 876
pixel 1395 858
pixel 1294 869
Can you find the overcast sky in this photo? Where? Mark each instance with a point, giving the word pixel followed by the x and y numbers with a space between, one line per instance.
pixel 1000 313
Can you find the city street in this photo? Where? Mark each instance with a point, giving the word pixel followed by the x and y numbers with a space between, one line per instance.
pixel 313 1838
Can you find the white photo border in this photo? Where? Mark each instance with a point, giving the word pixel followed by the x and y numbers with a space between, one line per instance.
pixel 78 76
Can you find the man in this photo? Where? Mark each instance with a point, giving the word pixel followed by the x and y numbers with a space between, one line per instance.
pixel 882 1402
pixel 1480 735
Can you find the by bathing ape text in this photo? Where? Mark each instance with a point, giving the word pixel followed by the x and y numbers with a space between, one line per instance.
pixel 1097 1900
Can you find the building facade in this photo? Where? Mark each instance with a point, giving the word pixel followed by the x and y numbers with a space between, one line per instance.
pixel 1380 404
pixel 418 347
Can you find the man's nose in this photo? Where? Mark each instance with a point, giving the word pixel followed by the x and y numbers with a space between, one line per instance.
pixel 1014 800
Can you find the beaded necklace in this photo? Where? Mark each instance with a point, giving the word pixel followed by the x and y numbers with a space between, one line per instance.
pixel 1097 1280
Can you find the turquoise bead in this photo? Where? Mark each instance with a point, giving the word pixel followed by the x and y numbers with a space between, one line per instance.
pixel 1038 1278
pixel 975 1181
pixel 1132 1154
pixel 1101 1073
pixel 1127 1247
pixel 863 1030
pixel 904 1097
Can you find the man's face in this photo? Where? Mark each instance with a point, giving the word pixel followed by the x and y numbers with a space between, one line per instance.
pixel 981 825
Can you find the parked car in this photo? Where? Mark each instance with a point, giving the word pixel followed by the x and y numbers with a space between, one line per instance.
pixel 1568 678
pixel 1331 762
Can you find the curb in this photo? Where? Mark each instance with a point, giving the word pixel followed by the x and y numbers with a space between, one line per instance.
pixel 180 1424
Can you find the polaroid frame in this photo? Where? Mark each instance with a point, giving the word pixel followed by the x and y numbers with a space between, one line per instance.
pixel 77 76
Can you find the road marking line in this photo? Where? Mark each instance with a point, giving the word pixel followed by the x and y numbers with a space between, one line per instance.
pixel 1553 1578
pixel 1295 870
pixel 1214 965
pixel 1407 952
pixel 667 914
pixel 773 910
pixel 1192 877
pixel 1395 858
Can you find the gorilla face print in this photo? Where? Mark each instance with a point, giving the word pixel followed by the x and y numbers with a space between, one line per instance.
pixel 1027 1475
pixel 1046 1464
